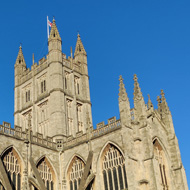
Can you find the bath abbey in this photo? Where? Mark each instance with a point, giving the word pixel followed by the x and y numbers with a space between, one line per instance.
pixel 54 146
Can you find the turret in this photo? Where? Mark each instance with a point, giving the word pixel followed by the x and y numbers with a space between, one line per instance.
pixel 124 105
pixel 20 67
pixel 80 62
pixel 55 86
pixel 139 104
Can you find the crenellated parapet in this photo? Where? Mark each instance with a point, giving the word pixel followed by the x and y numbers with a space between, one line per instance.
pixel 18 133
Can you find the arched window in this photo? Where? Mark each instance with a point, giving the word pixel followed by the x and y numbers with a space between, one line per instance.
pixel 46 173
pixel 75 173
pixel 12 165
pixel 161 164
pixel 113 168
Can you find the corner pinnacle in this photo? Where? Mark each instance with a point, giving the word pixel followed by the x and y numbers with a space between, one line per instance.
pixel 20 57
pixel 122 91
pixel 79 46
pixel 54 33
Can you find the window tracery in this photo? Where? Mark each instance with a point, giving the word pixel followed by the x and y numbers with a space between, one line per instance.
pixel 69 116
pixel 13 169
pixel 43 86
pixel 75 173
pixel 113 168
pixel 46 174
pixel 43 115
pixel 66 80
pixel 77 85
pixel 28 96
pixel 79 117
pixel 161 163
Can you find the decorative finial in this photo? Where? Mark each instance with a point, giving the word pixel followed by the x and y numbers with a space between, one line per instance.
pixel 135 78
pixel 158 99
pixel 20 45
pixel 120 78
pixel 53 18
pixel 162 93
pixel 78 35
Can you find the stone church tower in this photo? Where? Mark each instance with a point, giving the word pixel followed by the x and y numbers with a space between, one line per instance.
pixel 54 146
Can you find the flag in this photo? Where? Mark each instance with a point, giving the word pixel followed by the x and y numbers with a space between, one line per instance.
pixel 49 23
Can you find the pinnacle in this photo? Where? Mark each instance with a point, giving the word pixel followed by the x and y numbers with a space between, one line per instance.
pixel 137 89
pixel 121 79
pixel 150 104
pixel 162 94
pixel 122 90
pixel 20 57
pixel 135 78
pixel 164 103
pixel 139 103
pixel 158 99
pixel 79 46
pixel 54 33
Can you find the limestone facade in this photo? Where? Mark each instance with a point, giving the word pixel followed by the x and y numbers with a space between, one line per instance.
pixel 54 146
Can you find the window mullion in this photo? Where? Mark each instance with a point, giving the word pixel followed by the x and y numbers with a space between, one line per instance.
pixel 107 179
pixel 112 178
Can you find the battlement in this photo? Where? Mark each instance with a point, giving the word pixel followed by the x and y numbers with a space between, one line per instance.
pixel 65 143
pixel 17 132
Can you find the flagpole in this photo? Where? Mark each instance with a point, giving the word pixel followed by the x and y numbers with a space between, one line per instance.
pixel 47 28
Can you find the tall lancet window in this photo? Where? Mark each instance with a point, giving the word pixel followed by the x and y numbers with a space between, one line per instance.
pixel 46 173
pixel 77 85
pixel 12 166
pixel 161 164
pixel 79 117
pixel 113 168
pixel 66 80
pixel 75 173
pixel 69 116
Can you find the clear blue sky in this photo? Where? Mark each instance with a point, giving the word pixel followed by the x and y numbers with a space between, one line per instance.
pixel 150 38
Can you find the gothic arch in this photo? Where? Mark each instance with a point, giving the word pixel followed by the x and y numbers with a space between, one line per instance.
pixel 103 148
pixel 14 165
pixel 75 171
pixel 111 167
pixel 161 163
pixel 47 172
pixel 162 145
pixel 71 159
pixel 17 152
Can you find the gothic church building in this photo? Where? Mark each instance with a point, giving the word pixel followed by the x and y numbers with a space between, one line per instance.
pixel 53 145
